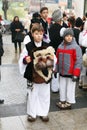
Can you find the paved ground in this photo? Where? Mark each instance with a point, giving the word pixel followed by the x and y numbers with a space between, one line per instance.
pixel 13 90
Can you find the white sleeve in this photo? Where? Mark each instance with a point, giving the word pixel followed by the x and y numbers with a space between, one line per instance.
pixel 84 42
pixel 83 39
pixel 26 39
pixel 22 66
pixel 55 60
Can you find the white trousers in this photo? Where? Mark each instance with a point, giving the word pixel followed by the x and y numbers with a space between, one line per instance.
pixel 55 83
pixel 38 102
pixel 67 89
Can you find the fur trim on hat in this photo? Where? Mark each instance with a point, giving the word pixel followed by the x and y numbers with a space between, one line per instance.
pixel 62 31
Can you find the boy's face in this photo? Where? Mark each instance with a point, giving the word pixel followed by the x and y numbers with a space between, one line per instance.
pixel 68 38
pixel 44 14
pixel 38 36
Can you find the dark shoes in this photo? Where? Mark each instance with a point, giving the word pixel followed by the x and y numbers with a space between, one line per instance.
pixel 1 101
pixel 44 118
pixel 63 105
pixel 31 119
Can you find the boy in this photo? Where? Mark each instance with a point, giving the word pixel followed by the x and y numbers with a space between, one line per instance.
pixel 38 60
pixel 43 20
pixel 69 61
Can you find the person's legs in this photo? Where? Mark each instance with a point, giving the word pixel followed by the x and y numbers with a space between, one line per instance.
pixel 62 91
pixel 15 45
pixel 19 43
pixel 71 91
pixel 38 102
pixel 62 86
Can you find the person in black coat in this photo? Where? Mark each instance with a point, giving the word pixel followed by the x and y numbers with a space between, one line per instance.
pixel 56 39
pixel 54 31
pixel 1 54
pixel 16 27
pixel 77 29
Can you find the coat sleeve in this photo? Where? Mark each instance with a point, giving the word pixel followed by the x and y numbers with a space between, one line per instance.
pixel 78 62
pixel 22 66
pixel 26 39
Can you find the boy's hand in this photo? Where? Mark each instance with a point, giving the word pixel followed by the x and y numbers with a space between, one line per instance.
pixel 75 78
pixel 28 59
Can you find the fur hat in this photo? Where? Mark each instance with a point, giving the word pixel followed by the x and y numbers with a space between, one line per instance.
pixel 68 31
pixel 78 22
pixel 62 31
pixel 57 15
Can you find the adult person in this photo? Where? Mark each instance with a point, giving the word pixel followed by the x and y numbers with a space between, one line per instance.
pixel 16 27
pixel 83 44
pixel 1 54
pixel 54 31
pixel 77 28
pixel 56 39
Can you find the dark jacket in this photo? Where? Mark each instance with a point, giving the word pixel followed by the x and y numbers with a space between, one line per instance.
pixel 30 46
pixel 76 34
pixel 1 47
pixel 45 25
pixel 54 33
pixel 13 26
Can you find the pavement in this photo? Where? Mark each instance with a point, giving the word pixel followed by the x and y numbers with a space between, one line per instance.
pixel 13 90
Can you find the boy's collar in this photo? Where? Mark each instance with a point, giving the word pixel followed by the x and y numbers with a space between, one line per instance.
pixel 38 44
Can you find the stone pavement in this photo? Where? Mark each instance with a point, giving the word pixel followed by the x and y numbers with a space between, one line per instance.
pixel 13 90
pixel 61 120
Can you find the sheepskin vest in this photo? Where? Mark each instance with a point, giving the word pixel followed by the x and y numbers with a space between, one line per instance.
pixel 30 73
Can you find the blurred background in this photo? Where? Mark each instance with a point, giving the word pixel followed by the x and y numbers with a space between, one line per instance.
pixel 25 8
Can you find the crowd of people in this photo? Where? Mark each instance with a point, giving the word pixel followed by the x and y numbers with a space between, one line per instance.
pixel 52 53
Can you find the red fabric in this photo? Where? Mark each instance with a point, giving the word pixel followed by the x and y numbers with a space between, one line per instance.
pixel 76 72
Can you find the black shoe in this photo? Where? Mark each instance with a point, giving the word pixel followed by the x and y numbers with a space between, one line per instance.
pixel 1 101
pixel 30 118
pixel 44 118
